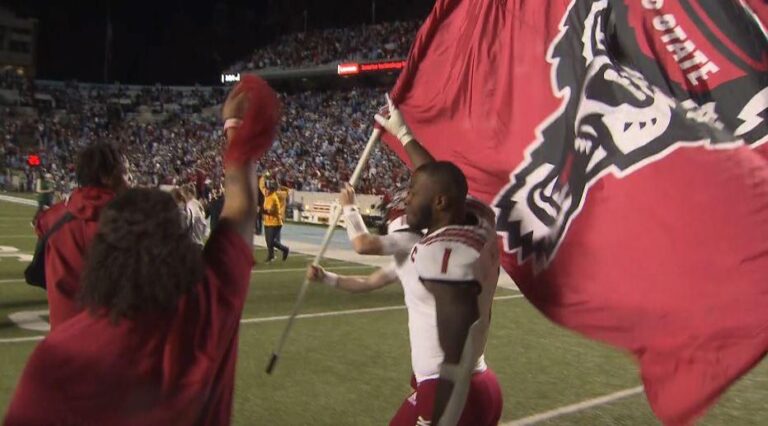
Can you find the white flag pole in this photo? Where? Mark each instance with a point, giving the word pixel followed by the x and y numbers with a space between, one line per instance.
pixel 323 247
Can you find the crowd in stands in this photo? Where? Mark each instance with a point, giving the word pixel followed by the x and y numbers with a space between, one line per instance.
pixel 322 136
pixel 321 139
pixel 368 42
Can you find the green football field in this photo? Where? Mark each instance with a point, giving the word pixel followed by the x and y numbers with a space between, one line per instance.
pixel 347 361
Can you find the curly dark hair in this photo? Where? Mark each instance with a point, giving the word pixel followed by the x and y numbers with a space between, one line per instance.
pixel 142 259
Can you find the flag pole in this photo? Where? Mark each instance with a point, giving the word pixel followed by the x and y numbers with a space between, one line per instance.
pixel 375 135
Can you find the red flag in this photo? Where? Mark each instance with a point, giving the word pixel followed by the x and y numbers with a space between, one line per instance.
pixel 620 144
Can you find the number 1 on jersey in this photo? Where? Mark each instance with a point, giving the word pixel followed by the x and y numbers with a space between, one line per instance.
pixel 446 257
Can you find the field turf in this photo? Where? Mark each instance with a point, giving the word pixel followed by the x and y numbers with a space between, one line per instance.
pixel 350 366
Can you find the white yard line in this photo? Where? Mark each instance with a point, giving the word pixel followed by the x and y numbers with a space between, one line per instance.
pixel 257 271
pixel 322 314
pixel 348 312
pixel 574 408
pixel 17 200
pixel 264 271
pixel 22 339
pixel 284 317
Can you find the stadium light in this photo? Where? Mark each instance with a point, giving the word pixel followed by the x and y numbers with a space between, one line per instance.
pixel 348 69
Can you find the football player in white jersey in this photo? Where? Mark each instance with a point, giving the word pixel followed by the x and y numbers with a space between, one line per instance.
pixel 457 263
pixel 448 283
pixel 426 354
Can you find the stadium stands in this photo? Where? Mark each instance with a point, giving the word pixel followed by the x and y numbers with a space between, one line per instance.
pixel 368 42
pixel 170 134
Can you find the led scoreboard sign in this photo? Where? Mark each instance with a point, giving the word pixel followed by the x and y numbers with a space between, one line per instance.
pixel 354 68
pixel 230 78
pixel 344 69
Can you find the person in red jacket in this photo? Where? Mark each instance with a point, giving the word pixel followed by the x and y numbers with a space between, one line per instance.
pixel 156 343
pixel 101 173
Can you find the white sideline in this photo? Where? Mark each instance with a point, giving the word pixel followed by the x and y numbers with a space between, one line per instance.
pixel 18 200
pixel 348 312
pixel 573 408
pixel 283 317
pixel 258 271
pixel 22 339
pixel 264 271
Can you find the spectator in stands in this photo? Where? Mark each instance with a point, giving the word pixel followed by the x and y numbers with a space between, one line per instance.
pixel 158 343
pixel 101 173
pixel 389 40
pixel 273 222
pixel 314 152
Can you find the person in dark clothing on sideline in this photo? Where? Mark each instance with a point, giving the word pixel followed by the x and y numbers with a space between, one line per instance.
pixel 259 219
pixel 214 208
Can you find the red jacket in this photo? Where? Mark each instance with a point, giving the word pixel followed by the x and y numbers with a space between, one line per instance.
pixel 168 368
pixel 66 248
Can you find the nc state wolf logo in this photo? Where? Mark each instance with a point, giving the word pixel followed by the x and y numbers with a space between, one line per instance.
pixel 611 120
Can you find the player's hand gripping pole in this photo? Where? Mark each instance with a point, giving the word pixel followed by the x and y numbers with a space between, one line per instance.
pixel 323 247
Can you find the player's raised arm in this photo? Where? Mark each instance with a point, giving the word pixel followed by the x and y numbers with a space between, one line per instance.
pixel 395 125
pixel 364 242
pixel 251 114
pixel 353 284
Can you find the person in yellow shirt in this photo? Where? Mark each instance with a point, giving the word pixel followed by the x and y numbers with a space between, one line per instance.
pixel 282 194
pixel 273 222
pixel 281 191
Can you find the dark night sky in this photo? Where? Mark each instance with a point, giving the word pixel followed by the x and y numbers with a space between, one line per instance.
pixel 176 41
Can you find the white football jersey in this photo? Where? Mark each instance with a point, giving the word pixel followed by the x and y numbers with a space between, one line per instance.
pixel 451 255
pixel 399 240
pixel 426 354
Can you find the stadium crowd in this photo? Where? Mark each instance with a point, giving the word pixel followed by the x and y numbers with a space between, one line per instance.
pixel 368 42
pixel 322 135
